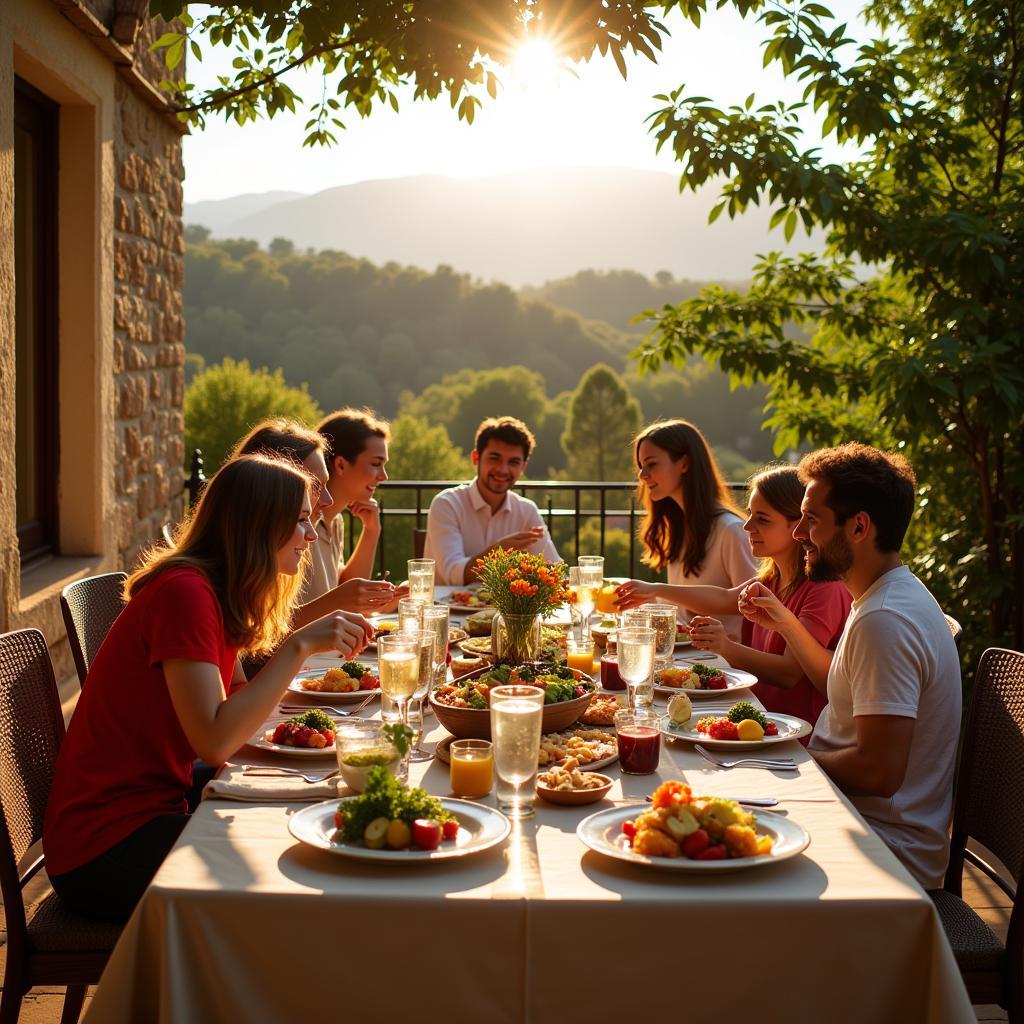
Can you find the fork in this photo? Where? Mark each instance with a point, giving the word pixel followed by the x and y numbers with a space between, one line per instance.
pixel 343 712
pixel 289 772
pixel 782 764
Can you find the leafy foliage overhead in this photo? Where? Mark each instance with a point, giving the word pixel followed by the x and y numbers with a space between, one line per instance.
pixel 922 346
pixel 369 50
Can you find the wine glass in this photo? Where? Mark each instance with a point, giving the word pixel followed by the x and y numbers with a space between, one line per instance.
pixel 591 581
pixel 636 647
pixel 426 641
pixel 398 658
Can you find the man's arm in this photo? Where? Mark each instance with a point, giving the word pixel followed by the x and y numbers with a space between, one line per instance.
pixel 877 765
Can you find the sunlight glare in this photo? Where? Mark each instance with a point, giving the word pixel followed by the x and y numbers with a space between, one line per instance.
pixel 536 63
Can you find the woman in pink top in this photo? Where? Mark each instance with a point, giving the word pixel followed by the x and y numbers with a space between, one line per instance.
pixel 773 511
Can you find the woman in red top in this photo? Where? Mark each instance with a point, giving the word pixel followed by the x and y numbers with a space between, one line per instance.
pixel 773 512
pixel 155 697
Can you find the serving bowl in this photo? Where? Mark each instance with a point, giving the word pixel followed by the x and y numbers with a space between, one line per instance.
pixel 576 797
pixel 475 724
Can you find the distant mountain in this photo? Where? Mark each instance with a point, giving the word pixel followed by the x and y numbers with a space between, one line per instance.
pixel 522 228
pixel 217 214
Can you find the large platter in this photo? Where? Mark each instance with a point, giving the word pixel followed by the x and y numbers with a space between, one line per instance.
pixel 480 828
pixel 737 680
pixel 602 832
pixel 327 696
pixel 790 728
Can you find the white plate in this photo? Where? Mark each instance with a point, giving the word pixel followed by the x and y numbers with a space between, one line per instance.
pixel 327 696
pixel 737 680
pixel 262 743
pixel 790 728
pixel 480 828
pixel 602 832
pixel 457 606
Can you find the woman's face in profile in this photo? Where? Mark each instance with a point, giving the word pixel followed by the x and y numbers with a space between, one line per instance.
pixel 659 472
pixel 289 555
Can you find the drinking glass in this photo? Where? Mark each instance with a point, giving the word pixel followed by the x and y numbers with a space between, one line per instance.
pixel 663 621
pixel 582 598
pixel 636 664
pixel 410 614
pixel 421 579
pixel 579 654
pixel 426 641
pixel 516 713
pixel 591 581
pixel 436 620
pixel 360 746
pixel 638 734
pixel 398 658
pixel 472 767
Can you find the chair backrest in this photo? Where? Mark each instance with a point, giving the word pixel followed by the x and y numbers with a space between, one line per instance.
pixel 419 543
pixel 31 732
pixel 990 788
pixel 89 608
pixel 955 628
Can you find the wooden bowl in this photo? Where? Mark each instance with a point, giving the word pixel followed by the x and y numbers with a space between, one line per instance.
pixel 473 724
pixel 576 797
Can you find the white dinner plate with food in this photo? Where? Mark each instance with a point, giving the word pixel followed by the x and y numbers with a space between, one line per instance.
pixel 467 600
pixel 602 832
pixel 261 742
pixel 480 828
pixel 790 728
pixel 478 646
pixel 327 696
pixel 736 679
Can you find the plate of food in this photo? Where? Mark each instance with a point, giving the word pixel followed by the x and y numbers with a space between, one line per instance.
pixel 471 599
pixel 349 681
pixel 700 680
pixel 743 726
pixel 601 709
pixel 307 735
pixel 476 646
pixel 679 831
pixel 382 627
pixel 392 823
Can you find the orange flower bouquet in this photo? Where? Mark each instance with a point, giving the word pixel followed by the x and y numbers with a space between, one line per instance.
pixel 523 588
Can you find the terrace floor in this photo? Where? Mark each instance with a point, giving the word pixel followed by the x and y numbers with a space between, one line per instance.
pixel 43 1005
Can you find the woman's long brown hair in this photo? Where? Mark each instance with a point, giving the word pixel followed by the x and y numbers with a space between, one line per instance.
pixel 245 516
pixel 670 533
pixel 780 486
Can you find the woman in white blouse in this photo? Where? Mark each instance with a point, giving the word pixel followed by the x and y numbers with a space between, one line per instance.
pixel 693 527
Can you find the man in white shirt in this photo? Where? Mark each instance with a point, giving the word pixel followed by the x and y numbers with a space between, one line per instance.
pixel 888 736
pixel 467 522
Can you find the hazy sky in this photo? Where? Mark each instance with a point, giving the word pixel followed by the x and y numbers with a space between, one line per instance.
pixel 593 119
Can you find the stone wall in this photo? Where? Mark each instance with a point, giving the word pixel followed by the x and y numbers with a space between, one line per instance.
pixel 149 330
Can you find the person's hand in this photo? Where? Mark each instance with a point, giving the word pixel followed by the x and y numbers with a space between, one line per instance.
pixel 758 604
pixel 366 596
pixel 634 593
pixel 522 540
pixel 708 634
pixel 367 512
pixel 344 632
pixel 402 590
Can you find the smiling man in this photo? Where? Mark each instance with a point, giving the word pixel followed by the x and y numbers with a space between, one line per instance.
pixel 468 521
pixel 888 736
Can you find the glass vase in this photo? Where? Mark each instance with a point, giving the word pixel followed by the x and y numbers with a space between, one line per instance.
pixel 515 638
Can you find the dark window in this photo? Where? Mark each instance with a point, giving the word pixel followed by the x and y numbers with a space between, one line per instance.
pixel 35 319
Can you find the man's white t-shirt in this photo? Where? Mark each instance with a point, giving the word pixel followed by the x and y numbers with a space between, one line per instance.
pixel 460 525
pixel 896 656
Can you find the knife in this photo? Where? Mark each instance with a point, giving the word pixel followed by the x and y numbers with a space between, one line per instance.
pixel 749 801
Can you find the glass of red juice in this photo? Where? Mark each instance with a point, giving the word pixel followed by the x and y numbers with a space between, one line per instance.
pixel 638 733
pixel 610 678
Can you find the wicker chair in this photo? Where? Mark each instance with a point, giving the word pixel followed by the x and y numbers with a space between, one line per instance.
pixel 46 943
pixel 956 629
pixel 988 809
pixel 89 608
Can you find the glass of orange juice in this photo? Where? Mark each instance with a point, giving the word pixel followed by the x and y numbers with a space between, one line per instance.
pixel 579 654
pixel 472 767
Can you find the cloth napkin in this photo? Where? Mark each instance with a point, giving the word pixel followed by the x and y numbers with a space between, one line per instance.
pixel 231 784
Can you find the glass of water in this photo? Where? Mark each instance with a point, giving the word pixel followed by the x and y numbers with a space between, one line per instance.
pixel 436 619
pixel 516 713
pixel 426 641
pixel 662 618
pixel 636 664
pixel 410 615
pixel 421 579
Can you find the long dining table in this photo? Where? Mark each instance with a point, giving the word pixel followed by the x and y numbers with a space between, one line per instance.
pixel 242 922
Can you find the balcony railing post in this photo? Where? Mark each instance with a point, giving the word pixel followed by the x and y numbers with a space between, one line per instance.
pixel 196 481
pixel 603 511
pixel 632 538
pixel 382 549
pixel 576 522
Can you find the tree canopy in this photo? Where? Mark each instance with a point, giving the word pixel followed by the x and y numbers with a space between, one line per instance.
pixel 603 420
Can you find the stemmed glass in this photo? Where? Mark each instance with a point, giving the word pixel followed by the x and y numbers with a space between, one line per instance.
pixel 426 641
pixel 591 575
pixel 584 603
pixel 636 647
pixel 398 658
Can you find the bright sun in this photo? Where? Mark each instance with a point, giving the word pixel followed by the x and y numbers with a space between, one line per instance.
pixel 536 63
